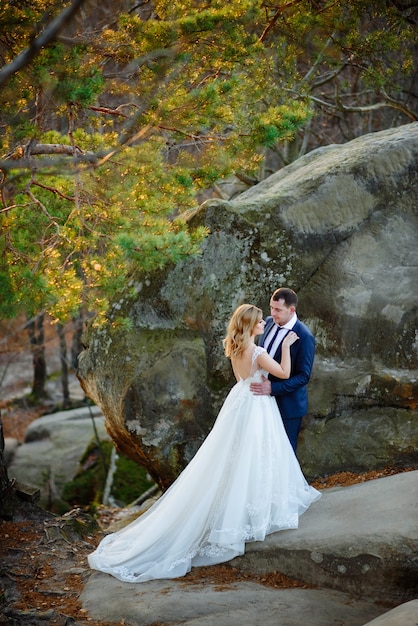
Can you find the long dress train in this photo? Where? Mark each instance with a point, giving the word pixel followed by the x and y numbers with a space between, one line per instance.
pixel 244 483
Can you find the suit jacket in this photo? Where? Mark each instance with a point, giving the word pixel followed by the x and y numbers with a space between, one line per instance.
pixel 292 394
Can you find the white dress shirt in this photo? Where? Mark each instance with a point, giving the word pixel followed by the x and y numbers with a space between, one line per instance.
pixel 282 333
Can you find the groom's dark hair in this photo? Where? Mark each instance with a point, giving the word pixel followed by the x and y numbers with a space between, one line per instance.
pixel 288 295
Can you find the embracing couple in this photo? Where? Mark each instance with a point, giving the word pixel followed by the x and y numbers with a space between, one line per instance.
pixel 245 481
pixel 291 394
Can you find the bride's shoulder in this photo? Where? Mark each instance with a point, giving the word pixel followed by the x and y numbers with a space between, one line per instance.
pixel 257 351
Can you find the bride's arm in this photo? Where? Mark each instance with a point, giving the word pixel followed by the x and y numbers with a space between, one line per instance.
pixel 282 369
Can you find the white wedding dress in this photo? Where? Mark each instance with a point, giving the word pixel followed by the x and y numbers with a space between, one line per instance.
pixel 243 483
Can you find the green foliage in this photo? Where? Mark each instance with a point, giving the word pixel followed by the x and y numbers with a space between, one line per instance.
pixel 7 295
pixel 278 123
pixel 88 484
pixel 86 489
pixel 152 109
pixel 130 481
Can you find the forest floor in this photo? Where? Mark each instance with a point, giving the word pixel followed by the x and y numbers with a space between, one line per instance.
pixel 43 560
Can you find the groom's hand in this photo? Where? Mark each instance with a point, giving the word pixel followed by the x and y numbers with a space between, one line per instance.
pixel 261 389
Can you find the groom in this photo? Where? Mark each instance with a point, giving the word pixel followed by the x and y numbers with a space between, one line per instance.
pixel 291 394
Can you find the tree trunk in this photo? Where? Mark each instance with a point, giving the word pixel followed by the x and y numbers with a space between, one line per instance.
pixel 7 496
pixel 77 345
pixel 64 366
pixel 36 336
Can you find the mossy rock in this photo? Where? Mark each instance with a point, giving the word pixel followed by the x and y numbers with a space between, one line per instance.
pixel 130 480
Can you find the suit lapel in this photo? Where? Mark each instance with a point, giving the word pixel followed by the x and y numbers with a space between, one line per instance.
pixel 267 329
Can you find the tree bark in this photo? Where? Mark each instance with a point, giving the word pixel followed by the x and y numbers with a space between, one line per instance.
pixel 77 344
pixel 37 343
pixel 64 366
pixel 7 496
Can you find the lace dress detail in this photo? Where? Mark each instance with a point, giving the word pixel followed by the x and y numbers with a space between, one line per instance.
pixel 243 483
pixel 256 371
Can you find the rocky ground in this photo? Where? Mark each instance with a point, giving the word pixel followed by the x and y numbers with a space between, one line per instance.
pixel 44 568
pixel 43 558
pixel 43 565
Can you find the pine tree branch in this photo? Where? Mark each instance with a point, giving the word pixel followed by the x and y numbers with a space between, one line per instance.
pixel 49 34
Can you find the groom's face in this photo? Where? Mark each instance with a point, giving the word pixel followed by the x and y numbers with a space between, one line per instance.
pixel 280 312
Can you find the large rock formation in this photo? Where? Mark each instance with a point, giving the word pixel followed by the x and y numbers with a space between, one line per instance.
pixel 340 227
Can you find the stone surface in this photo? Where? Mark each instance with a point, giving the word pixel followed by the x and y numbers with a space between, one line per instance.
pixel 361 539
pixel 372 525
pixel 404 615
pixel 10 446
pixel 243 604
pixel 53 447
pixel 340 227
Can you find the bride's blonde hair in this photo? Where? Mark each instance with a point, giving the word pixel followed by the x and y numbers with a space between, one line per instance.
pixel 240 327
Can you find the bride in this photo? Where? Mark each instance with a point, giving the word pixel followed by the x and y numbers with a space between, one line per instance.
pixel 243 483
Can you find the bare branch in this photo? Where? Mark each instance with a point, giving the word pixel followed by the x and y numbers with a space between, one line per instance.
pixel 391 103
pixel 15 206
pixel 379 105
pixel 276 16
pixel 44 209
pixel 53 190
pixel 20 158
pixel 400 107
pixel 317 61
pixel 107 111
pixel 52 148
pixel 328 77
pixel 49 34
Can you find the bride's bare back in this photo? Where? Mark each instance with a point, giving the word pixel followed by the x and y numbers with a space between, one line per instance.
pixel 243 366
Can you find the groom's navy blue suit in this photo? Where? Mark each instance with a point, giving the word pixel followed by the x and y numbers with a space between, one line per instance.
pixel 292 394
